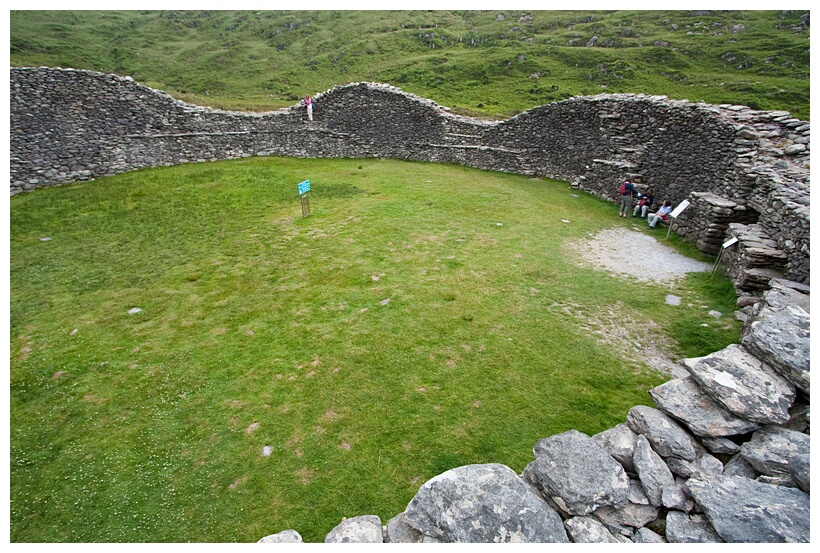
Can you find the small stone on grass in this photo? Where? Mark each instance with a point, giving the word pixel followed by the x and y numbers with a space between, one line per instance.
pixel 672 300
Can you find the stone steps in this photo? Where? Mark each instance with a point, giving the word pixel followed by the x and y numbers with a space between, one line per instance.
pixel 754 260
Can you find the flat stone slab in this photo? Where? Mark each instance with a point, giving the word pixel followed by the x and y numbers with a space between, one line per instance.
pixel 672 299
pixel 483 504
pixel 684 400
pixel 618 441
pixel 645 535
pixel 743 510
pixel 772 448
pixel 704 464
pixel 785 292
pixel 652 471
pixel 781 338
pixel 738 466
pixel 743 384
pixel 588 529
pixel 667 437
pixel 722 446
pixel 577 473
pixel 633 515
pixel 683 528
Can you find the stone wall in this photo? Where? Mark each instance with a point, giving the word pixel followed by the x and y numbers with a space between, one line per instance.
pixel 69 125
pixel 683 472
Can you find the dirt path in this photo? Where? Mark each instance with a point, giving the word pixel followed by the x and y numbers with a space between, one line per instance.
pixel 633 255
pixel 640 256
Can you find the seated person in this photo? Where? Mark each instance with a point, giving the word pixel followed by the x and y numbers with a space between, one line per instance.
pixel 644 201
pixel 661 215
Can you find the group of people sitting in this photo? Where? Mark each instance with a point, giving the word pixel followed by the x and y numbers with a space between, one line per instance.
pixel 628 194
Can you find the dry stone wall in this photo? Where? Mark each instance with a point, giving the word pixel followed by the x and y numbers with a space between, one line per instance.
pixel 70 125
pixel 720 441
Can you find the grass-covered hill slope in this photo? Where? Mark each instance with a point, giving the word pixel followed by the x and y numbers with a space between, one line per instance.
pixel 491 63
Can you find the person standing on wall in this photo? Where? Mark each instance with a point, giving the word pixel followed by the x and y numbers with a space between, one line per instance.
pixel 626 191
pixel 309 104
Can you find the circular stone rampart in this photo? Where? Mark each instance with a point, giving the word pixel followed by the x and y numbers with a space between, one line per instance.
pixel 71 125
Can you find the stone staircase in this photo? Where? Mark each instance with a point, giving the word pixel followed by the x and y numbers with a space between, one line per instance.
pixel 754 260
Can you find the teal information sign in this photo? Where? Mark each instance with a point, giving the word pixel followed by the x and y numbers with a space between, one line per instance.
pixel 304 187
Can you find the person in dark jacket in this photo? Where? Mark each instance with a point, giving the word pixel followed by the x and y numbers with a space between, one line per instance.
pixel 626 191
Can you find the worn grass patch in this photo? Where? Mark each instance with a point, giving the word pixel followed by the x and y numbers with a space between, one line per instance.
pixel 415 322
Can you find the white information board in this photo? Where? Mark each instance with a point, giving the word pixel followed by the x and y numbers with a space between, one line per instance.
pixel 729 242
pixel 681 206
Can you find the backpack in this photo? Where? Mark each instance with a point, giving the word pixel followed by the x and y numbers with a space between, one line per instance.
pixel 622 189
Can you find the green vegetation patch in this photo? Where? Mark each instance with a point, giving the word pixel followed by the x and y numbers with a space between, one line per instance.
pixel 192 360
pixel 486 63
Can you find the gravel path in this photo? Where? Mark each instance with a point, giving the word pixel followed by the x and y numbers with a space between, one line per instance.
pixel 634 255
pixel 637 255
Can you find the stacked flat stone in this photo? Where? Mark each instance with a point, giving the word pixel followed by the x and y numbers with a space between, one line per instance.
pixel 754 260
pixel 705 222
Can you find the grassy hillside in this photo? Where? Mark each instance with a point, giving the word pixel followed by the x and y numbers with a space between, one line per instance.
pixel 487 63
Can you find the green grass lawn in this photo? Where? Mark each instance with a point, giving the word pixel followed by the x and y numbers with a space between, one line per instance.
pixel 413 323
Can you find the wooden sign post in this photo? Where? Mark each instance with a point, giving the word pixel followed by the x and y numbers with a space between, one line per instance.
pixel 731 241
pixel 304 189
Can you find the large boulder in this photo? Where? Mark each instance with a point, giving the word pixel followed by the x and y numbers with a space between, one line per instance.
pixel 781 338
pixel 361 529
pixel 772 448
pixel 483 504
pixel 743 384
pixel 743 510
pixel 684 400
pixel 577 473
pixel 667 437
